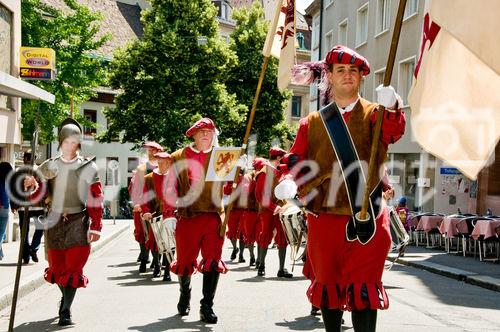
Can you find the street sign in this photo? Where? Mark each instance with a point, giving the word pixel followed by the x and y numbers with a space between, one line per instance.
pixel 449 171
pixel 37 63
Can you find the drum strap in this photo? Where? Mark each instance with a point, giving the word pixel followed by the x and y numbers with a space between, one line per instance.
pixel 347 156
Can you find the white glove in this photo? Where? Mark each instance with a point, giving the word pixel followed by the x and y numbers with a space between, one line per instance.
pixel 386 96
pixel 171 223
pixel 286 189
pixel 242 161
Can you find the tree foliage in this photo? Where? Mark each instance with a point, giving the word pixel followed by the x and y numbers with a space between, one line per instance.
pixel 73 36
pixel 173 76
pixel 247 41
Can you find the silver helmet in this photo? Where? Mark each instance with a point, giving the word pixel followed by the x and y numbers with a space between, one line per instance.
pixel 69 127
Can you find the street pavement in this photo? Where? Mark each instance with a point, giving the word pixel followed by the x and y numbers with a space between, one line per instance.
pixel 32 273
pixel 118 298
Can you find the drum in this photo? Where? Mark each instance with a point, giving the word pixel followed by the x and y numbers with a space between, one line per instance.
pixel 294 226
pixel 164 236
pixel 399 235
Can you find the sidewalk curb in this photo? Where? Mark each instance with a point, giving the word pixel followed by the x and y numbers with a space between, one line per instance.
pixel 35 280
pixel 453 273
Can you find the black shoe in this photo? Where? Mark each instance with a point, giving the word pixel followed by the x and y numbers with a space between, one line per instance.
pixel 234 253
pixel 241 259
pixel 284 274
pixel 252 261
pixel 34 256
pixel 262 270
pixel 183 309
pixel 315 311
pixel 207 315
pixel 65 318
pixel 166 276
pixel 26 260
pixel 142 268
pixel 156 271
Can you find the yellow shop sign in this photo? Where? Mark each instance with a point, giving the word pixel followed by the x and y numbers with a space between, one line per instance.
pixel 37 63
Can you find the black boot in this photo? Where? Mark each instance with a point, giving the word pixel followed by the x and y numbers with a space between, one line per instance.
pixel 156 271
pixel 241 259
pixel 164 261
pixel 210 280
pixel 259 256
pixel 65 314
pixel 62 300
pixel 252 255
pixel 166 273
pixel 235 250
pixel 262 265
pixel 262 270
pixel 282 272
pixel 332 319
pixel 144 255
pixel 156 265
pixel 183 306
pixel 142 267
pixel 364 320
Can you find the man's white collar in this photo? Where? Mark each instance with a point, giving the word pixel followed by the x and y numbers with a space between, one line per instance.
pixel 349 107
pixel 191 146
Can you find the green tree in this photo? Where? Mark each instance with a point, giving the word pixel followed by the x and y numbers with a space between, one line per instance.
pixel 247 41
pixel 73 34
pixel 173 76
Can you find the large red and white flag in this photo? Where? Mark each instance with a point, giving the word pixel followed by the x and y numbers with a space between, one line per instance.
pixel 455 97
pixel 280 40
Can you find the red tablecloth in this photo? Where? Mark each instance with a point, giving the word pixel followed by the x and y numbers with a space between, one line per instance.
pixel 428 223
pixel 451 226
pixel 487 228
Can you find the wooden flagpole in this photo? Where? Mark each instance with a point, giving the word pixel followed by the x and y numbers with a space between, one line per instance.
pixel 376 135
pixel 222 230
pixel 25 226
pixel 267 51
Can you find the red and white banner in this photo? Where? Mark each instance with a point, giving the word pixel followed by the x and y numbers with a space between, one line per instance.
pixel 455 97
pixel 280 40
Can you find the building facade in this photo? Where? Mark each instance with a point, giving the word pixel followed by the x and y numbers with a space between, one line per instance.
pixel 367 26
pixel 12 89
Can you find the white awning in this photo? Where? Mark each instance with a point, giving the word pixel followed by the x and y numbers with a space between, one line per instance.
pixel 12 86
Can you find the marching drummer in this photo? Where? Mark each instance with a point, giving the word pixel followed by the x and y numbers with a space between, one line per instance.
pixel 267 176
pixel 155 204
pixel 235 224
pixel 136 191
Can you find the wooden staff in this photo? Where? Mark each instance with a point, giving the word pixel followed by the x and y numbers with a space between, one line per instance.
pixel 24 228
pixel 372 170
pixel 222 230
